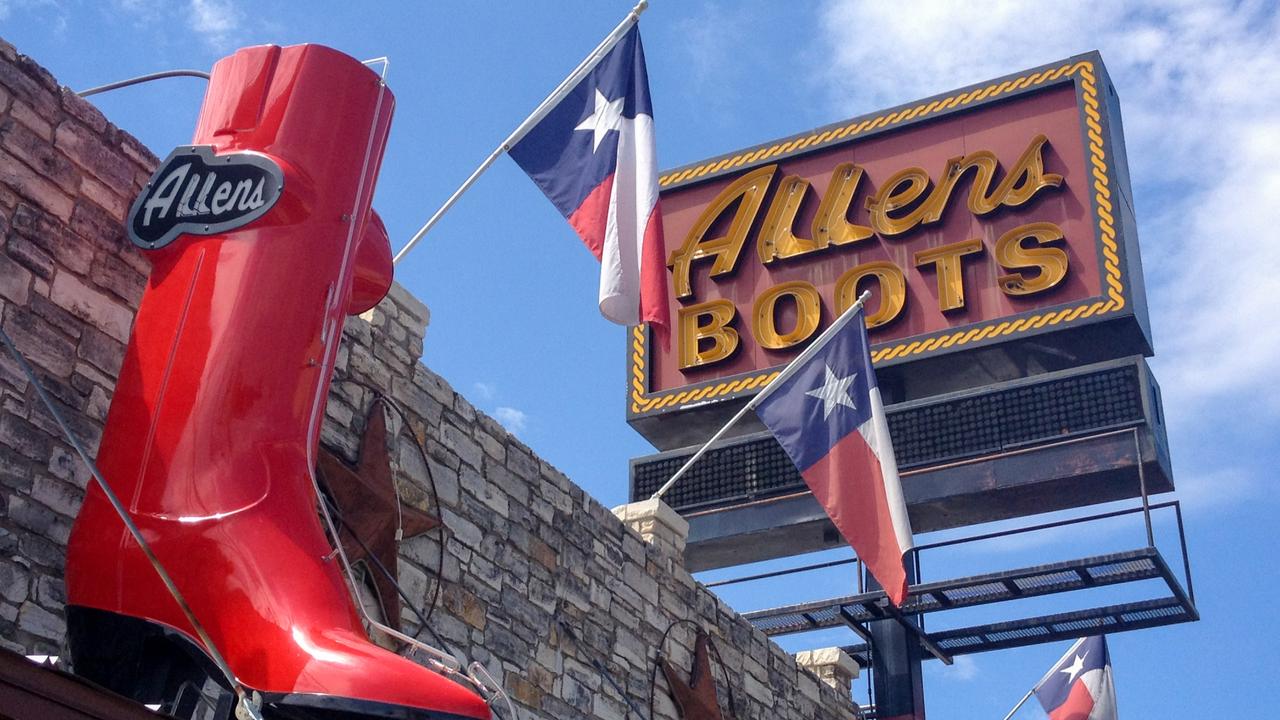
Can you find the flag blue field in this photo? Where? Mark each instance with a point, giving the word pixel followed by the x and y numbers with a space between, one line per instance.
pixel 1080 687
pixel 594 156
pixel 829 418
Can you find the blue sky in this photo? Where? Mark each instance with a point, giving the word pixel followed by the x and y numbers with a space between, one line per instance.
pixel 512 291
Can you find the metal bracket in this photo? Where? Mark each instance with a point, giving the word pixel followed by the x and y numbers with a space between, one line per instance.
pixel 925 641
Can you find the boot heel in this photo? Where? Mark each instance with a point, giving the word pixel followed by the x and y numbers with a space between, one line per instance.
pixel 148 663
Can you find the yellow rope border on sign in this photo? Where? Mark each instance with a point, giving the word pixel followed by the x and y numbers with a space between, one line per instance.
pixel 642 402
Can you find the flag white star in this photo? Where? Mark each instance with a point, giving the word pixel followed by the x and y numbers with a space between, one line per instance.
pixel 834 392
pixel 606 117
pixel 1072 670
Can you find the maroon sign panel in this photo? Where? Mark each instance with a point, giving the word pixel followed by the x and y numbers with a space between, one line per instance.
pixel 974 217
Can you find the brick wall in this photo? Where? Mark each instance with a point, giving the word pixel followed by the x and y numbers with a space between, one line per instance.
pixel 523 546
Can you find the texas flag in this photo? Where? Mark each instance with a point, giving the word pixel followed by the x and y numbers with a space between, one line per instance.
pixel 1079 687
pixel 593 156
pixel 829 418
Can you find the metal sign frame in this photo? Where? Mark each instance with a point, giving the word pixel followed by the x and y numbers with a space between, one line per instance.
pixel 1123 293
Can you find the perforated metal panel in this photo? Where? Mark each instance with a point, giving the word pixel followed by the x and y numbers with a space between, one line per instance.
pixel 1144 564
pixel 1053 628
pixel 1075 581
pixel 1004 419
pixel 953 427
pixel 1132 566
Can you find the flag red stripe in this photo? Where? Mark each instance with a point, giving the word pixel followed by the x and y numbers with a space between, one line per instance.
pixel 1077 706
pixel 591 218
pixel 847 482
pixel 653 279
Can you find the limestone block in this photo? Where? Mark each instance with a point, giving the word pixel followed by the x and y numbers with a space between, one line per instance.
pixel 832 666
pixel 657 524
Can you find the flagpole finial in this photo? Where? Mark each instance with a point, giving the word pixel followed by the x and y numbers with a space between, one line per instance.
pixel 640 7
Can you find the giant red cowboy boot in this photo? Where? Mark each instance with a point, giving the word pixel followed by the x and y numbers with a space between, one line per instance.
pixel 257 235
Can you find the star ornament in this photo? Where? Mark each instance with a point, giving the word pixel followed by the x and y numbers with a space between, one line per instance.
pixel 834 392
pixel 696 699
pixel 366 497
pixel 606 118
pixel 1072 670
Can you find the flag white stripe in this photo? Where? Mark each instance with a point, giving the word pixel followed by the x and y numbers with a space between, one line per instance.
pixel 633 197
pixel 876 434
pixel 1071 651
pixel 1099 683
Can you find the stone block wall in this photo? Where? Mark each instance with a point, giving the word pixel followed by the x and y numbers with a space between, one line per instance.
pixel 69 283
pixel 526 549
pixel 538 582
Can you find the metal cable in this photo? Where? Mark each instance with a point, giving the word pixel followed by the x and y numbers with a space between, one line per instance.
pixel 342 523
pixel 711 642
pixel 250 707
pixel 473 669
pixel 142 79
pixel 431 481
pixel 600 668
pixel 657 660
pixel 331 330
pixel 724 670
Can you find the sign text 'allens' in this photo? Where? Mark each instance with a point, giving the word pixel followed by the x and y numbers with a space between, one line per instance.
pixel 194 191
pixel 1029 256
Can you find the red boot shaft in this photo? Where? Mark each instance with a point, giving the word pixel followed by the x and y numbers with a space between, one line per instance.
pixel 212 433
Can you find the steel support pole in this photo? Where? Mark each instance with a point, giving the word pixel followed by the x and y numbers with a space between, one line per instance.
pixel 896 672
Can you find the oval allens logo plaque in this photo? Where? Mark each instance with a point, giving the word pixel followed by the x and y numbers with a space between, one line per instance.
pixel 199 193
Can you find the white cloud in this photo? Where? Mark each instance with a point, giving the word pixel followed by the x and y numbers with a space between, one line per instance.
pixel 712 45
pixel 1197 84
pixel 1209 490
pixel 215 20
pixel 51 12
pixel 964 669
pixel 512 419
pixel 486 390
pixel 140 7
pixel 144 11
